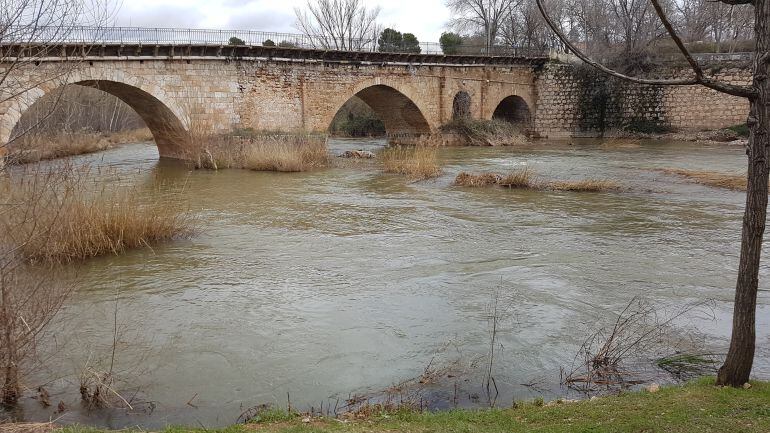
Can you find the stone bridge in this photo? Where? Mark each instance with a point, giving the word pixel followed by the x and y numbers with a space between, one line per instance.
pixel 178 89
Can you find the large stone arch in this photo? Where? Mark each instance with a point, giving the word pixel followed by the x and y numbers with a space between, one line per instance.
pixel 162 115
pixel 399 108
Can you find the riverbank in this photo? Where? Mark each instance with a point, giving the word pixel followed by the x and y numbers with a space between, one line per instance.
pixel 41 147
pixel 697 407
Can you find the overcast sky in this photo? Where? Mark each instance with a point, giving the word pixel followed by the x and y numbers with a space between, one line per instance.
pixel 425 18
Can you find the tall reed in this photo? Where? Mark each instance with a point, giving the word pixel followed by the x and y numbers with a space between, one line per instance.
pixel 417 162
pixel 56 216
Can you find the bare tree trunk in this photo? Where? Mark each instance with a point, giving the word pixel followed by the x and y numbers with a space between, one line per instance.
pixel 10 391
pixel 737 367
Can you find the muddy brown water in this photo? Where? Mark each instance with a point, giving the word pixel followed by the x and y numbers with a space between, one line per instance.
pixel 325 284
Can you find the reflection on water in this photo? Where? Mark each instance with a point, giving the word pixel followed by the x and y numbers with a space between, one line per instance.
pixel 342 280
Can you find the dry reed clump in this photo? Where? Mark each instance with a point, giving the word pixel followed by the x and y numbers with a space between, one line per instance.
pixel 710 178
pixel 518 179
pixel 493 132
pixel 296 154
pixel 525 179
pixel 281 153
pixel 477 180
pixel 417 162
pixel 35 147
pixel 585 185
pixel 53 217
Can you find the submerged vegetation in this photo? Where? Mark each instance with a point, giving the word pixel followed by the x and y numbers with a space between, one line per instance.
pixel 417 162
pixel 696 407
pixel 709 178
pixel 525 179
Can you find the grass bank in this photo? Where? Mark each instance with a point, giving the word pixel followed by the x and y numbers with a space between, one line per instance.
pixel 697 407
pixel 34 147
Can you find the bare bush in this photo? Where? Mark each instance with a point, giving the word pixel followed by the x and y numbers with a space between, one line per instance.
pixel 610 357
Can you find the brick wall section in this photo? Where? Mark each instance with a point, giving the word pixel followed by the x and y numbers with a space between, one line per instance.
pixel 575 101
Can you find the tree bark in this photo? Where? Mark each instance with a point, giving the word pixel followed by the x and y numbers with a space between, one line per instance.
pixel 740 357
pixel 9 395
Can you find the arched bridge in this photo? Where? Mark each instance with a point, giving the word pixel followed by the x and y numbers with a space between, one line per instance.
pixel 217 88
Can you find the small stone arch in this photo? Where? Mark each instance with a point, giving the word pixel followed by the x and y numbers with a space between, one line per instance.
pixel 161 116
pixel 461 106
pixel 513 109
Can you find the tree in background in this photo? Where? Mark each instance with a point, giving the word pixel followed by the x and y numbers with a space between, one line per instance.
pixel 736 369
pixel 236 41
pixel 410 44
pixel 390 41
pixel 450 43
pixel 338 24
pixel 268 43
pixel 481 16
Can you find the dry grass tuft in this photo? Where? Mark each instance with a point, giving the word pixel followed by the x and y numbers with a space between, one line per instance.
pixel 35 147
pixel 287 155
pixel 710 178
pixel 525 179
pixel 585 185
pixel 269 152
pixel 417 162
pixel 42 427
pixel 477 180
pixel 53 217
pixel 518 179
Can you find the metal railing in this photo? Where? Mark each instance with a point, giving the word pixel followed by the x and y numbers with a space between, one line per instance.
pixel 155 36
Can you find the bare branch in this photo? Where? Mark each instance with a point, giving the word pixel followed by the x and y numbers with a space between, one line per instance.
pixel 746 92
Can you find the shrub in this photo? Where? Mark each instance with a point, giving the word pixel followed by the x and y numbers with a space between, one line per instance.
pixel 646 126
pixel 236 41
pixel 742 129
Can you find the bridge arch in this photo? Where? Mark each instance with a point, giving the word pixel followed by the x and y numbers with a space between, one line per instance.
pixel 396 107
pixel 513 109
pixel 461 105
pixel 161 115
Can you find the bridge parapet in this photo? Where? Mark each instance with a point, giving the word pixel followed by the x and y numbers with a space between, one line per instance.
pixel 138 51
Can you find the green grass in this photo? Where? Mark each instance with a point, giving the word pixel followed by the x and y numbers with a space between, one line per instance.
pixel 741 129
pixel 697 407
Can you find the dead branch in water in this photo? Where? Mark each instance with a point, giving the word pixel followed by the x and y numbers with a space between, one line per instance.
pixel 606 356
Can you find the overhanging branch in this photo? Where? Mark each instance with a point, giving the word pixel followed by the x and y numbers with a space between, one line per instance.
pixel 699 79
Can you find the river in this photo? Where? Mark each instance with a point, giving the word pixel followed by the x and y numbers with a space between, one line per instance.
pixel 314 286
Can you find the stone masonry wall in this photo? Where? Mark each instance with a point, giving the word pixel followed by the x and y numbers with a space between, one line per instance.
pixel 578 101
pixel 175 96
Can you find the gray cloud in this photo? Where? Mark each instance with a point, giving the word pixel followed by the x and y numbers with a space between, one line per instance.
pixel 263 20
pixel 161 16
